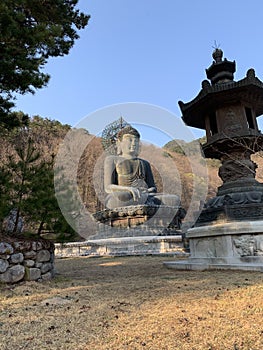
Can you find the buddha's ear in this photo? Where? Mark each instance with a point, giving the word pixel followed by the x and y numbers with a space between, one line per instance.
pixel 140 147
pixel 118 147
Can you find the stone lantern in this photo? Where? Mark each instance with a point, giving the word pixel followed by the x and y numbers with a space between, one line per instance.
pixel 227 110
pixel 229 231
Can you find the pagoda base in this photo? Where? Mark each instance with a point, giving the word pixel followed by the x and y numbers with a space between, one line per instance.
pixel 228 207
pixel 241 186
pixel 234 245
pixel 213 265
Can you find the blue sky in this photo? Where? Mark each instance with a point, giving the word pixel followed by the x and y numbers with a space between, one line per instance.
pixel 148 51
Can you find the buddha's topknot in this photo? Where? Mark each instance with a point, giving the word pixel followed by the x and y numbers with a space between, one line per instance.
pixel 128 130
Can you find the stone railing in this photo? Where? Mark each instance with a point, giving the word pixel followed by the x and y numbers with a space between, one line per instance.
pixel 26 260
pixel 123 246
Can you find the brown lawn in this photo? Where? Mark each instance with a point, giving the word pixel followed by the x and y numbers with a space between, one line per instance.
pixel 133 303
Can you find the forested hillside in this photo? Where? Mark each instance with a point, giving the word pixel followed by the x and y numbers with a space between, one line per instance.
pixel 26 183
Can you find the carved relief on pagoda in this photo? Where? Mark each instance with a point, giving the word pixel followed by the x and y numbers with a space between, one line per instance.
pixel 232 170
pixel 249 245
pixel 231 124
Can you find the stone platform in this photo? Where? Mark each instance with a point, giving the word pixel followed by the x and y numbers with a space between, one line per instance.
pixel 224 246
pixel 139 220
pixel 123 246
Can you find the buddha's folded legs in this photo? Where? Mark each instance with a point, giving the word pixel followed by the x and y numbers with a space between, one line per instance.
pixel 170 200
pixel 123 199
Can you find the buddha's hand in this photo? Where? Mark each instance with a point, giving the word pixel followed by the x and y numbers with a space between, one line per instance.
pixel 135 192
pixel 152 190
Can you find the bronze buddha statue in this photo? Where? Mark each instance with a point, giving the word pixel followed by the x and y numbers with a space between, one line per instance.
pixel 128 180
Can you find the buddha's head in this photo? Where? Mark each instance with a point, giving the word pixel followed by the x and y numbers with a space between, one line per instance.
pixel 128 142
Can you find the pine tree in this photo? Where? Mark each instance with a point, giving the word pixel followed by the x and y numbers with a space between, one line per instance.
pixel 31 32
pixel 22 167
pixel 41 206
pixel 5 186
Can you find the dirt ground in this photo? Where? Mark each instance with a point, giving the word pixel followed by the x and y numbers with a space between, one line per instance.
pixel 133 303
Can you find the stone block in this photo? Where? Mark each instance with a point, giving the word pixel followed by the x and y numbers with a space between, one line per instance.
pixel 38 265
pixel 46 267
pixel 3 265
pixel 17 258
pixel 31 254
pixel 32 273
pixel 47 276
pixel 29 263
pixel 13 274
pixel 22 246
pixel 6 248
pixel 43 256
pixel 5 256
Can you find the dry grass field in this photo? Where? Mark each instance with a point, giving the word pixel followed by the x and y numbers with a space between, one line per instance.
pixel 133 303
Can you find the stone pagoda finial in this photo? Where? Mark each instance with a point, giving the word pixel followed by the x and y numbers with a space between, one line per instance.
pixel 217 55
pixel 221 71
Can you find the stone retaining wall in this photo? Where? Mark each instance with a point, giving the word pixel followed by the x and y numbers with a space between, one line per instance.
pixel 26 260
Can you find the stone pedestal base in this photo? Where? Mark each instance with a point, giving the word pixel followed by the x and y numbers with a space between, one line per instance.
pixel 139 220
pixel 125 246
pixel 229 246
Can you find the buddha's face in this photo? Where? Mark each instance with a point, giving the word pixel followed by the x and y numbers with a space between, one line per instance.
pixel 129 145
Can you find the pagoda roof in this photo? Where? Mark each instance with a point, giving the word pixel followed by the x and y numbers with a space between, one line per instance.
pixel 248 90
